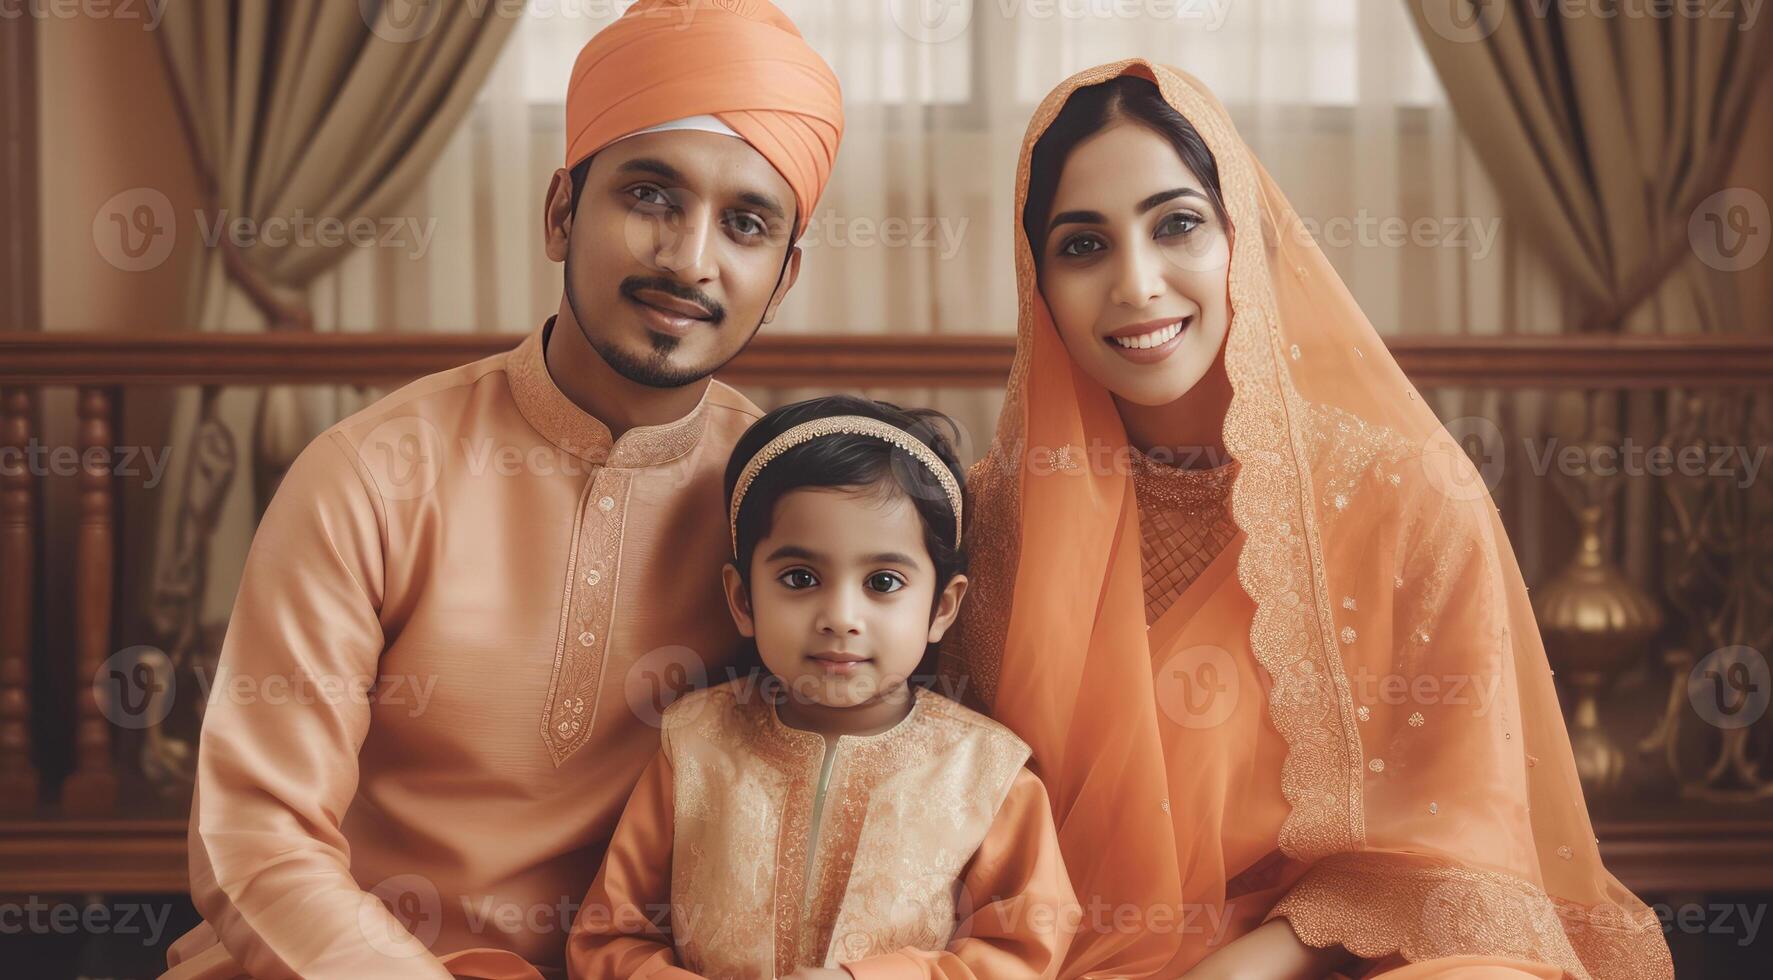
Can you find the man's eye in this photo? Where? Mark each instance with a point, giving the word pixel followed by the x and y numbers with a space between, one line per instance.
pixel 748 225
pixel 650 195
pixel 885 582
pixel 797 578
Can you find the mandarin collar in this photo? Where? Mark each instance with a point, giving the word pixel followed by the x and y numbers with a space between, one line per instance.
pixel 561 421
pixel 780 732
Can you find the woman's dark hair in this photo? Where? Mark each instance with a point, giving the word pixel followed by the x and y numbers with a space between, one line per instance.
pixel 1087 112
pixel 860 462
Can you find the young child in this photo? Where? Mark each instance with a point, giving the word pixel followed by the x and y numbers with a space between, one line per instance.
pixel 827 816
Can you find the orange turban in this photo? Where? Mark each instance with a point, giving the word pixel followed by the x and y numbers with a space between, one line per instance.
pixel 741 61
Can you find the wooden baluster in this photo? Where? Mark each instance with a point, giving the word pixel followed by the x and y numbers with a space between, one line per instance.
pixel 91 790
pixel 18 579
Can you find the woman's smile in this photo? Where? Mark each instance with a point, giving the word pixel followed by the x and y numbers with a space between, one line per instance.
pixel 1151 341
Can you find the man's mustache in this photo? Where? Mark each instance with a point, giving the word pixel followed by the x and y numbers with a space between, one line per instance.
pixel 634 284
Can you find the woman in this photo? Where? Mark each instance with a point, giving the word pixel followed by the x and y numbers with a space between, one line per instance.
pixel 1305 724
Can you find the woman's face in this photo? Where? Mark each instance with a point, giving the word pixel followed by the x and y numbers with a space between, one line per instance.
pixel 1133 267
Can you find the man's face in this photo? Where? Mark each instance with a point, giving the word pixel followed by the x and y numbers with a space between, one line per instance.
pixel 677 252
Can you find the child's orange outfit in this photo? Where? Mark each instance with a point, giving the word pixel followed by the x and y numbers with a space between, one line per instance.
pixel 751 849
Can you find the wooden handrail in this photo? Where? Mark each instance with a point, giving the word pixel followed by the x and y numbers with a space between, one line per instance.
pixel 974 360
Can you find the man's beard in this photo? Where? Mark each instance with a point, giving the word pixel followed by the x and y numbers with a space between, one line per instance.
pixel 653 368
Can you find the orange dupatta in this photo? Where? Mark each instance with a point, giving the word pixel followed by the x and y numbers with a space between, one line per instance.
pixel 1371 559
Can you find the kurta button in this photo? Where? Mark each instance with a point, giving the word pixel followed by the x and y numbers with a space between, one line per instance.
pixel 587 638
pixel 607 503
pixel 594 578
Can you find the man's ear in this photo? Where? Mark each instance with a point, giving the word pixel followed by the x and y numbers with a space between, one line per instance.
pixel 738 600
pixel 791 273
pixel 557 215
pixel 947 607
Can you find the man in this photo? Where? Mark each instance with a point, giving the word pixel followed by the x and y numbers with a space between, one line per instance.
pixel 441 677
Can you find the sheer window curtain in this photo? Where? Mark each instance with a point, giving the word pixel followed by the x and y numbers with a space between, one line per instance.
pixel 914 233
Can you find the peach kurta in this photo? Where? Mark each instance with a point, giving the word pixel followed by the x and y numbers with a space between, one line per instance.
pixel 519 588
pixel 751 849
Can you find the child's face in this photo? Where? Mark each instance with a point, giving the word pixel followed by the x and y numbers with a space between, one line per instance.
pixel 840 597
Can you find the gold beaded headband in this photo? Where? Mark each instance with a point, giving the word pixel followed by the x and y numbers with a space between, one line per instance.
pixel 849 424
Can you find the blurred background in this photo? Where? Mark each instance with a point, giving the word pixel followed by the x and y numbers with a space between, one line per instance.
pixel 227 225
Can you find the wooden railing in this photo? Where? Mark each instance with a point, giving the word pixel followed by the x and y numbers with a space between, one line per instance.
pixel 146 855
pixel 843 361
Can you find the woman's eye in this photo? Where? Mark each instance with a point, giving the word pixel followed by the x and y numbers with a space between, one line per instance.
pixel 1081 245
pixel 1180 223
pixel 797 578
pixel 885 582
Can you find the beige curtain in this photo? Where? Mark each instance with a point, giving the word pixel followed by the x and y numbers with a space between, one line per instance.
pixel 310 123
pixel 319 112
pixel 1611 127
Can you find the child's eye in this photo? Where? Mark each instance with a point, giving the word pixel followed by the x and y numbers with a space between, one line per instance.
pixel 885 582
pixel 797 578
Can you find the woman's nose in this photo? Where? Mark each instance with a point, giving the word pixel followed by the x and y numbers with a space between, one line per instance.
pixel 1138 279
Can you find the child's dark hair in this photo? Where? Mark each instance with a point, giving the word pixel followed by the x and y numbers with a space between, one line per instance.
pixel 852 461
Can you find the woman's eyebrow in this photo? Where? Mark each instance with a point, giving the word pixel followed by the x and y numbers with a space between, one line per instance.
pixel 1078 218
pixel 1163 197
